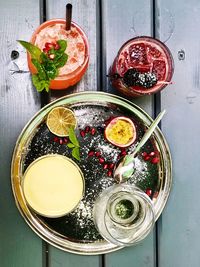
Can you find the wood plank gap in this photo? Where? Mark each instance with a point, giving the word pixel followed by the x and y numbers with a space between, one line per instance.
pixel 100 73
pixel 44 99
pixel 45 254
pixel 44 96
pixel 101 58
pixel 156 110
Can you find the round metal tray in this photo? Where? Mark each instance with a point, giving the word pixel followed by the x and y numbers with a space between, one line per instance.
pixel 76 231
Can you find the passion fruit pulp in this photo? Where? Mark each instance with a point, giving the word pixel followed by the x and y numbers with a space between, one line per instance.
pixel 120 132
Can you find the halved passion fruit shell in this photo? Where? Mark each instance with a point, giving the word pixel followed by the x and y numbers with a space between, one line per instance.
pixel 120 132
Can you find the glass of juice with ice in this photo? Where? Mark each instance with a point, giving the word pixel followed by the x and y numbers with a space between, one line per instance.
pixel 46 37
pixel 143 66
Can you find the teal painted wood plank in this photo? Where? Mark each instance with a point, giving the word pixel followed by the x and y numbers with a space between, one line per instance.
pixel 84 13
pixel 19 245
pixel 123 20
pixel 179 227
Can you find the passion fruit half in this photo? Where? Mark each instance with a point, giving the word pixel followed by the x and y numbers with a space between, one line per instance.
pixel 120 132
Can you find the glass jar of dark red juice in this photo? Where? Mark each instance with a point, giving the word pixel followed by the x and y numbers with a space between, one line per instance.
pixel 143 66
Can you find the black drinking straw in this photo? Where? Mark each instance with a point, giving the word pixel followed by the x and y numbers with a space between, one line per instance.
pixel 68 16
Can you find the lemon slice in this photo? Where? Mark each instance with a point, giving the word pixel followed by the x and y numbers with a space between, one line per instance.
pixel 59 120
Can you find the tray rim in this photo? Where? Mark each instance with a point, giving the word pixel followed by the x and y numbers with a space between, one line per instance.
pixel 32 221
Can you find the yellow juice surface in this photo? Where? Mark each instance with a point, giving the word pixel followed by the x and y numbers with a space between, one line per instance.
pixel 53 185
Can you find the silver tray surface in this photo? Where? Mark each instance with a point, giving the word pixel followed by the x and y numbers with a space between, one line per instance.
pixel 76 232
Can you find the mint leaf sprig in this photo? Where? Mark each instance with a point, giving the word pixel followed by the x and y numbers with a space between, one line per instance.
pixel 47 64
pixel 74 144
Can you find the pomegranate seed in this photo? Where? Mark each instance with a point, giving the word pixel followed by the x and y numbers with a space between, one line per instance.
pixel 155 160
pixel 55 139
pixel 111 166
pixel 45 50
pixel 152 154
pixel 87 129
pixel 93 131
pixel 123 153
pixel 101 160
pixel 98 154
pixel 90 153
pixel 105 166
pixel 65 140
pixel 144 154
pixel 56 46
pixel 109 173
pixel 61 141
pixel 49 46
pixel 146 158
pixel 82 133
pixel 51 56
pixel 149 192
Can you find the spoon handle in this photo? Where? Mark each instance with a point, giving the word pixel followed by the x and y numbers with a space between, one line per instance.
pixel 148 132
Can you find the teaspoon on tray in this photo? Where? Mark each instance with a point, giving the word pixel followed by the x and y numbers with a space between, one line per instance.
pixel 125 166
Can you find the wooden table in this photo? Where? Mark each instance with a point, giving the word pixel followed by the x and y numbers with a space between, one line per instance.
pixel 108 24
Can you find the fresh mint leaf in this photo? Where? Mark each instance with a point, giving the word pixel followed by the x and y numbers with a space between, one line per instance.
pixel 70 145
pixel 72 137
pixel 51 71
pixel 44 58
pixel 40 85
pixel 63 45
pixel 32 49
pixel 40 68
pixel 76 153
pixel 61 61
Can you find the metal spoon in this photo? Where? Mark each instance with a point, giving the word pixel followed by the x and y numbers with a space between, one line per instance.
pixel 124 168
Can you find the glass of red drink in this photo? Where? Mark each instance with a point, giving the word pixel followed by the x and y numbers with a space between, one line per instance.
pixel 77 50
pixel 143 66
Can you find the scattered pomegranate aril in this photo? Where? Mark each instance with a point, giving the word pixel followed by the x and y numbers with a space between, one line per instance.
pixel 123 153
pixel 98 154
pixel 109 173
pixel 105 166
pixel 101 160
pixel 152 154
pixel 55 139
pixel 93 131
pixel 87 129
pixel 111 166
pixel 147 158
pixel 155 160
pixel 65 140
pixel 60 141
pixel 91 153
pixel 149 192
pixel 144 154
pixel 82 133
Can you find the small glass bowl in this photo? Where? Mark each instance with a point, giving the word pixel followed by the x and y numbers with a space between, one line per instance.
pixel 124 215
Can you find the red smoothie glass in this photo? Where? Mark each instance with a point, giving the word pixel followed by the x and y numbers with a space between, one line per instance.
pixel 143 66
pixel 77 50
